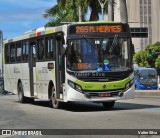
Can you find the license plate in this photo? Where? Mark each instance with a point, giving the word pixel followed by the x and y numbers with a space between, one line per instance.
pixel 148 87
pixel 104 94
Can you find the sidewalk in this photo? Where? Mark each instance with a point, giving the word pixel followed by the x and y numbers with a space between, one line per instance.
pixel 147 93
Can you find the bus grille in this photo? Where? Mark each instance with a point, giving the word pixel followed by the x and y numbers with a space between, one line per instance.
pixel 96 94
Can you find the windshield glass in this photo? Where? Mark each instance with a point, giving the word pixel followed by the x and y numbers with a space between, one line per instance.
pixel 148 76
pixel 102 54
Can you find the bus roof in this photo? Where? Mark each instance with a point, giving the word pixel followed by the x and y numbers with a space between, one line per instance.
pixel 37 32
pixel 49 30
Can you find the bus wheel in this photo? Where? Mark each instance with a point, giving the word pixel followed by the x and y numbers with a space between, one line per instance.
pixel 54 102
pixel 108 105
pixel 22 98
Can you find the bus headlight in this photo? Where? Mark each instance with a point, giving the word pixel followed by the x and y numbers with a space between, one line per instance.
pixel 71 84
pixel 78 88
pixel 75 86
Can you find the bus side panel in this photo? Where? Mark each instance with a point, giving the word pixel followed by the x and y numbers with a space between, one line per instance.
pixel 50 75
pixel 7 78
pixel 13 73
pixel 25 79
pixel 10 78
pixel 43 77
pixel 16 75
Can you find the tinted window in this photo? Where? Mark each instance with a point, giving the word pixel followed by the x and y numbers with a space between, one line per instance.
pixel 18 51
pixel 49 48
pixel 12 53
pixel 40 49
pixel 25 51
pixel 7 53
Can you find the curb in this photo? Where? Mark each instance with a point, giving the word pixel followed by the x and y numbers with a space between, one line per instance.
pixel 148 93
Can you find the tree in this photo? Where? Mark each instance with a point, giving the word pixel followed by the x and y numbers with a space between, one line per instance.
pixel 143 59
pixel 82 9
pixel 73 11
pixel 95 10
pixel 111 10
pixel 157 63
pixel 63 11
pixel 140 58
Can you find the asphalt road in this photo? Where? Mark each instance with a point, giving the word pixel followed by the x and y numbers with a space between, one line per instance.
pixel 138 113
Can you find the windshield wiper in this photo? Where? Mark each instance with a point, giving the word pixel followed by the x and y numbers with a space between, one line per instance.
pixel 149 79
pixel 114 43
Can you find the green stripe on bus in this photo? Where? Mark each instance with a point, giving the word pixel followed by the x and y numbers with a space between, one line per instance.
pixel 99 85
pixel 37 76
pixel 49 31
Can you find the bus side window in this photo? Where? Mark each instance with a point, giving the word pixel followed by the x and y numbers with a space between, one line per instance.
pixel 18 51
pixel 25 51
pixel 7 53
pixel 12 53
pixel 40 50
pixel 49 48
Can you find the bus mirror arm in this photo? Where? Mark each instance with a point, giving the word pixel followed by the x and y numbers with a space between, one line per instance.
pixel 64 49
pixel 65 46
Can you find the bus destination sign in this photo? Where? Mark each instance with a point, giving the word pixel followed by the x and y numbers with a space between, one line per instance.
pixel 98 29
pixel 104 28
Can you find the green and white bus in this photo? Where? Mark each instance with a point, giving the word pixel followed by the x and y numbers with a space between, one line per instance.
pixel 85 61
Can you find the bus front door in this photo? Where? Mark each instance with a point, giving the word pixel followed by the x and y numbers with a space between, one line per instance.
pixel 59 66
pixel 32 70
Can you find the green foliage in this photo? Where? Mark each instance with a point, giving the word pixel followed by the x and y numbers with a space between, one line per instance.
pixel 67 11
pixel 157 63
pixel 142 59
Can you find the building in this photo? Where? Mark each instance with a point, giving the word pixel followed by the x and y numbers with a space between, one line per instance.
pixel 142 13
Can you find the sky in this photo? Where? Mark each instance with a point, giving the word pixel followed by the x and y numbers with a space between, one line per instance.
pixel 20 16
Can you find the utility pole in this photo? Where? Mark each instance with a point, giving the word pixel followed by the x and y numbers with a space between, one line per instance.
pixel 102 7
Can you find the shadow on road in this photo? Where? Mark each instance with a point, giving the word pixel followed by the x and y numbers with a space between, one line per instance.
pixel 91 107
pixel 94 107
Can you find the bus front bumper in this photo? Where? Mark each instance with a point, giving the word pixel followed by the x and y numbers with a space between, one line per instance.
pixel 73 95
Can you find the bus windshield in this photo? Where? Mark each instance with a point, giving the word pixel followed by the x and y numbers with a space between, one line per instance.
pixel 99 54
pixel 148 76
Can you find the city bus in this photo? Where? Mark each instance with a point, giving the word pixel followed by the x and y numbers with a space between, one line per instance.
pixel 74 62
pixel 146 78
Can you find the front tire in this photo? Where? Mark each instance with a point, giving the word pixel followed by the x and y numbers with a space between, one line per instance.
pixel 53 100
pixel 21 97
pixel 108 105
